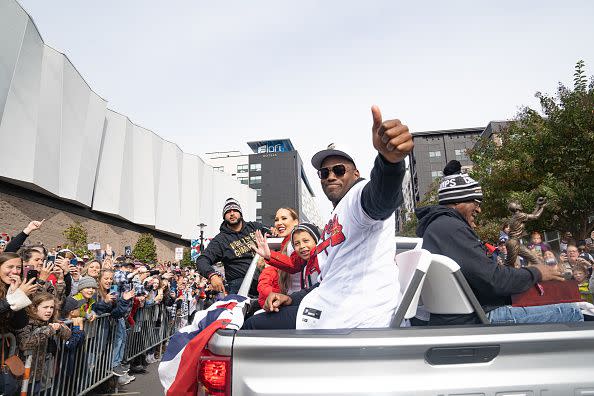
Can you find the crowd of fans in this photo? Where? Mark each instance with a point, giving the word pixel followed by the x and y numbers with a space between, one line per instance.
pixel 574 258
pixel 48 292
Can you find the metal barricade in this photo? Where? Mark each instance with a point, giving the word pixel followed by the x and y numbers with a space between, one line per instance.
pixel 67 368
pixel 152 326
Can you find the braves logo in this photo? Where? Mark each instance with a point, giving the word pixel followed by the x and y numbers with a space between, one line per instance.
pixel 332 235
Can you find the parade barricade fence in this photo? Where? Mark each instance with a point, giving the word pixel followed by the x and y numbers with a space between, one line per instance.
pixel 66 368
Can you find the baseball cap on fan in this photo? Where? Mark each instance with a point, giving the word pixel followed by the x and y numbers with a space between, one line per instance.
pixel 330 151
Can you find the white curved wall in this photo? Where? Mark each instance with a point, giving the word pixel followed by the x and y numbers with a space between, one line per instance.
pixel 59 138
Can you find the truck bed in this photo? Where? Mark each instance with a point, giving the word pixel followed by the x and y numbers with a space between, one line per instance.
pixel 543 359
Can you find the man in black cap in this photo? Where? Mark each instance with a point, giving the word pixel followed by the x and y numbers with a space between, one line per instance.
pixel 359 285
pixel 448 229
pixel 231 246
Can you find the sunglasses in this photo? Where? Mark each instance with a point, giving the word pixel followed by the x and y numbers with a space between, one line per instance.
pixel 339 170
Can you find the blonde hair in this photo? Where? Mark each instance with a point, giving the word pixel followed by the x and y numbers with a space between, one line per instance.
pixel 88 264
pixel 292 211
pixel 100 290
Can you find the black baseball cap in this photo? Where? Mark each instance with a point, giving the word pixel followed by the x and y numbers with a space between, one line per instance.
pixel 330 151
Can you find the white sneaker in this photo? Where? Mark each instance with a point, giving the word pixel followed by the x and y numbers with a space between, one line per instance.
pixel 125 379
pixel 151 359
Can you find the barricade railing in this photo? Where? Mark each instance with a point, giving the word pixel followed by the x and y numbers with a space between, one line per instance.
pixel 67 368
pixel 151 327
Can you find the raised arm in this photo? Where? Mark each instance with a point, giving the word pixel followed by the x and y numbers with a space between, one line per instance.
pixel 393 142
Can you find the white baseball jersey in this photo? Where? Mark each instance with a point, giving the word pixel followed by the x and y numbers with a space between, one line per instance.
pixel 359 286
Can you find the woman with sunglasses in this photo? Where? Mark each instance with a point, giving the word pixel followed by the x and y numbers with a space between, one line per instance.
pixel 359 282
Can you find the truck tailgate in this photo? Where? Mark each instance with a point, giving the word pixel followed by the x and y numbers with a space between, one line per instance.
pixel 551 359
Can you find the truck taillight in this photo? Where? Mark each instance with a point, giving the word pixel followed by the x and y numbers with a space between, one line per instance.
pixel 214 375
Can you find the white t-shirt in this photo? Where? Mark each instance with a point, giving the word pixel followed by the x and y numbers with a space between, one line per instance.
pixel 359 286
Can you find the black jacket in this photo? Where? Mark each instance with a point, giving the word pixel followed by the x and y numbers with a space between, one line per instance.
pixel 16 242
pixel 232 248
pixel 445 231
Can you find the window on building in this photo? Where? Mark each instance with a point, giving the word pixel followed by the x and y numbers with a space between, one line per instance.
pixel 434 154
pixel 259 219
pixel 243 180
pixel 255 180
pixel 256 167
pixel 218 168
pixel 242 168
pixel 435 174
pixel 258 205
pixel 258 192
pixel 460 154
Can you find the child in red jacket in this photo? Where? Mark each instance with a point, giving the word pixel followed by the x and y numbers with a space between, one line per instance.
pixel 304 238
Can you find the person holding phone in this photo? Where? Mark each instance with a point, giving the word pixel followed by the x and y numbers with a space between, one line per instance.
pixel 15 294
pixel 110 300
pixel 40 270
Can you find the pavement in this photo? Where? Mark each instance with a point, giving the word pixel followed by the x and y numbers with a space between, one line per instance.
pixel 145 384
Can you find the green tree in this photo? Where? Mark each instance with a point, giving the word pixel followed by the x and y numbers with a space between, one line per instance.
pixel 543 154
pixel 76 236
pixel 187 260
pixel 409 227
pixel 145 249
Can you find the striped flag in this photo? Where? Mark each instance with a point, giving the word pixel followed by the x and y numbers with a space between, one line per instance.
pixel 178 369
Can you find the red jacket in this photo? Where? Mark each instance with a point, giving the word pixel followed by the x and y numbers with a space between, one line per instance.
pixel 268 280
pixel 267 283
pixel 295 264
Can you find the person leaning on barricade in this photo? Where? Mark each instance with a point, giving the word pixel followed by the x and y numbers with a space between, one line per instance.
pixel 109 300
pixel 37 334
pixel 70 312
pixel 86 290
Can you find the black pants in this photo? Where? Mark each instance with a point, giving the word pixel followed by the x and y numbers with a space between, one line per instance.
pixel 285 318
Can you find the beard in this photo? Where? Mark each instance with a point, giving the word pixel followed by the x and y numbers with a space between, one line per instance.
pixel 234 222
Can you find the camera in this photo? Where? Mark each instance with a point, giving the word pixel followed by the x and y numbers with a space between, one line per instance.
pixel 154 272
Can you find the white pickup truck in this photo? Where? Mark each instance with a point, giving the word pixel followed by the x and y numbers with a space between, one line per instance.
pixel 510 360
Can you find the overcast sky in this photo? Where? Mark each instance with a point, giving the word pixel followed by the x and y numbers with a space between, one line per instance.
pixel 212 76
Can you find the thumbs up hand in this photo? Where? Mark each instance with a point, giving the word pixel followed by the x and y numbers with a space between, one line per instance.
pixel 390 138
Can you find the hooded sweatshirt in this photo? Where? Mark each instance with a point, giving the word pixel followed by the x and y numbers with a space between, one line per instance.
pixel 445 231
pixel 232 248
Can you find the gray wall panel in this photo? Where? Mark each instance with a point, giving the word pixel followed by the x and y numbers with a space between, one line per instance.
pixel 48 137
pixel 190 196
pixel 49 112
pixel 168 200
pixel 143 188
pixel 109 175
pixel 13 23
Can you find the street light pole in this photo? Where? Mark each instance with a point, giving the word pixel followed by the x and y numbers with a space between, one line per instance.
pixel 201 225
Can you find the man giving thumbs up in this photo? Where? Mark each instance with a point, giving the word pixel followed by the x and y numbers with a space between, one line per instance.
pixel 359 280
